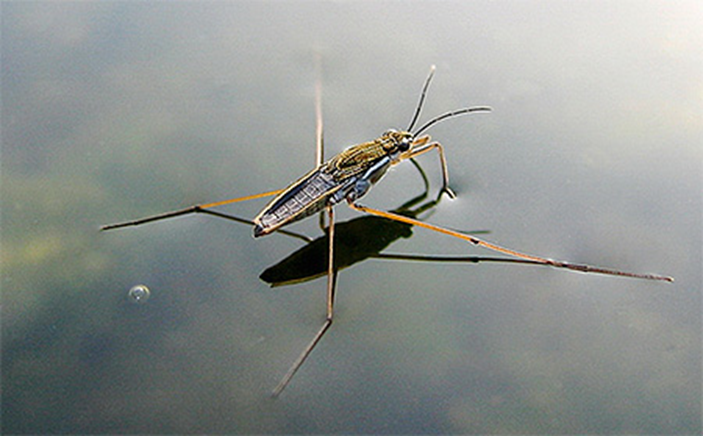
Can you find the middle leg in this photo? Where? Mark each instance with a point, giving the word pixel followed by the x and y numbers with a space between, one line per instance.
pixel 331 285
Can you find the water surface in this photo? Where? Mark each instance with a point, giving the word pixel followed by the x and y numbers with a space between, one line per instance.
pixel 117 110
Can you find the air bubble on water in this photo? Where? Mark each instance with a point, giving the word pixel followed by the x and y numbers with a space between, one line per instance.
pixel 139 294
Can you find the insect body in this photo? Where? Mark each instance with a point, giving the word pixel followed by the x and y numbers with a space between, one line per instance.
pixel 349 175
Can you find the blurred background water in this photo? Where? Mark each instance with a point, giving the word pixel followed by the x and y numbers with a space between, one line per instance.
pixel 117 110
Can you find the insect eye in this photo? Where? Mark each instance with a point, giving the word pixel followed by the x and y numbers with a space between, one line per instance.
pixel 404 144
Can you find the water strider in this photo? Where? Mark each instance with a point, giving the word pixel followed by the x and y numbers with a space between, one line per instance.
pixel 347 177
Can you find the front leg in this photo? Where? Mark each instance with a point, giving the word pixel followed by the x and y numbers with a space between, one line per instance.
pixel 422 146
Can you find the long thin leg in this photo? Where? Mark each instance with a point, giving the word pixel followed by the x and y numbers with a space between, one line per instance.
pixel 319 128
pixel 424 147
pixel 454 259
pixel 319 132
pixel 494 247
pixel 188 210
pixel 331 285
pixel 331 271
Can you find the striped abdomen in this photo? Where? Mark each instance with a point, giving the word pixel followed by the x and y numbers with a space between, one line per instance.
pixel 309 195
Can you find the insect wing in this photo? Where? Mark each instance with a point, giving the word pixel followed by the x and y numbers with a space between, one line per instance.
pixel 308 195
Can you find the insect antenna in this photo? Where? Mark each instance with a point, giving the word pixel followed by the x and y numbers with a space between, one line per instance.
pixel 451 114
pixel 418 109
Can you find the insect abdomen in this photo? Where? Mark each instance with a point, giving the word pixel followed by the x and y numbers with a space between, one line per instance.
pixel 303 198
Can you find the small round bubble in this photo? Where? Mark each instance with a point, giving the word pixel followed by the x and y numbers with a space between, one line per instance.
pixel 139 294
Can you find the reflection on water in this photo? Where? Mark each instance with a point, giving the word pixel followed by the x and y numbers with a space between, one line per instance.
pixel 119 110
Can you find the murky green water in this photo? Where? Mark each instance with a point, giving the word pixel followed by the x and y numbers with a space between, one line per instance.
pixel 117 110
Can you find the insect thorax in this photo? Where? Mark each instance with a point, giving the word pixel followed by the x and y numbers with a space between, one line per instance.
pixel 358 158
